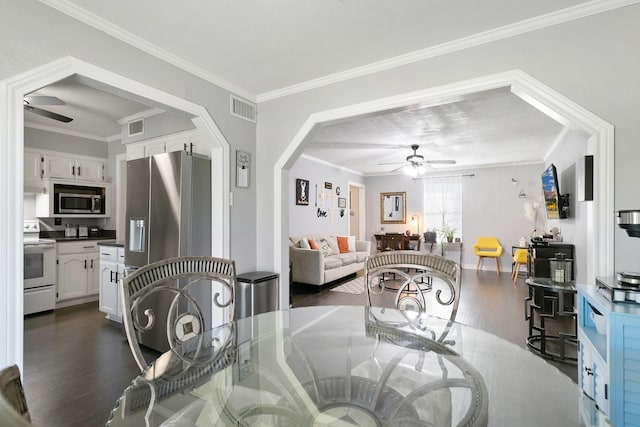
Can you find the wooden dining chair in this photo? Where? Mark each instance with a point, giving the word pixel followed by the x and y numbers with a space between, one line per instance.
pixel 175 281
pixel 422 282
pixel 13 402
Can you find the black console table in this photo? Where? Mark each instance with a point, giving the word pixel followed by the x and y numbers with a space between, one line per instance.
pixel 541 252
pixel 550 311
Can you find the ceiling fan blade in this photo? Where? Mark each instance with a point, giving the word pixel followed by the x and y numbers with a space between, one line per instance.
pixel 43 100
pixel 48 114
pixel 390 163
pixel 396 169
pixel 439 162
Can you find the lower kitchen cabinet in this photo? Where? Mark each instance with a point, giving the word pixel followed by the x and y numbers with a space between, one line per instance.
pixel 111 271
pixel 77 269
pixel 609 359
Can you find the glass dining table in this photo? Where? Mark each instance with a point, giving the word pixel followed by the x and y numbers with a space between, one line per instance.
pixel 351 366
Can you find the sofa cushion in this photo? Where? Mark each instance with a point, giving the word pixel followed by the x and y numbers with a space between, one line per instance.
pixel 347 258
pixel 361 256
pixel 312 244
pixel 332 262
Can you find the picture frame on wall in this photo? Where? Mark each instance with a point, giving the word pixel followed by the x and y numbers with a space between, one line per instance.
pixel 302 192
pixel 342 202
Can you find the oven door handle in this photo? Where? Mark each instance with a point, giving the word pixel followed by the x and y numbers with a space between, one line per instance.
pixel 43 245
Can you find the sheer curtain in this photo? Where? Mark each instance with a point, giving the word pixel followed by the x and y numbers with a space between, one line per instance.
pixel 443 205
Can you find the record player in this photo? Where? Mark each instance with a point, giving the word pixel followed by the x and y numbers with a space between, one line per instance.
pixel 625 286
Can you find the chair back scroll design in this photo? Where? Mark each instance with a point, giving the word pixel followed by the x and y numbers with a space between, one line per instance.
pixel 13 402
pixel 176 277
pixel 413 288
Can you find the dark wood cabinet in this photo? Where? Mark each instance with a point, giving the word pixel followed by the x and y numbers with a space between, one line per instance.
pixel 397 242
pixel 541 253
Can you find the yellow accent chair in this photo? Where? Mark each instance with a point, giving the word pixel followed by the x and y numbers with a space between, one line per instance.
pixel 520 258
pixel 488 247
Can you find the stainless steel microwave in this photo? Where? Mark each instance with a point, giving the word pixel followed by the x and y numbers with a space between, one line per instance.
pixel 77 199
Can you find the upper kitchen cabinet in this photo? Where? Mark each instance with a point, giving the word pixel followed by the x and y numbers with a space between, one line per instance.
pixel 189 141
pixel 64 166
pixel 32 171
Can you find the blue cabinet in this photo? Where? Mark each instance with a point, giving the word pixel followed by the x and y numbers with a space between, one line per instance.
pixel 609 358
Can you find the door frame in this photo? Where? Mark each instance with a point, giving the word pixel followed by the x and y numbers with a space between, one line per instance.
pixel 600 143
pixel 12 92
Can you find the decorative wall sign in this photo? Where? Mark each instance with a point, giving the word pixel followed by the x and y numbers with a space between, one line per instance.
pixel 302 192
pixel 328 185
pixel 243 163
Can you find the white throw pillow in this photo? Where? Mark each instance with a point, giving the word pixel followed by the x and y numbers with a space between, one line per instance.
pixel 325 247
pixel 304 244
pixel 351 241
pixel 333 244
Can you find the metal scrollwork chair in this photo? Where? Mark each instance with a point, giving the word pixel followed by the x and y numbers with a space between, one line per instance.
pixel 13 403
pixel 423 283
pixel 177 279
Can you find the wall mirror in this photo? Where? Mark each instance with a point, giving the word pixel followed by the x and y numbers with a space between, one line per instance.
pixel 393 208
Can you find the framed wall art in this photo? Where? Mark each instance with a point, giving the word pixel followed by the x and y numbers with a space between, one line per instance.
pixel 302 192
pixel 393 208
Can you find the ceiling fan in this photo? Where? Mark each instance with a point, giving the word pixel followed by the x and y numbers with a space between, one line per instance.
pixel 30 101
pixel 415 164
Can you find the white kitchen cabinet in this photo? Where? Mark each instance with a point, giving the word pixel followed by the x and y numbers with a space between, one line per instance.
pixel 63 166
pixel 32 168
pixel 189 141
pixel 111 272
pixel 78 273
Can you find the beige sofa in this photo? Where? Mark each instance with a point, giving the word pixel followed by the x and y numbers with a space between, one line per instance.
pixel 325 264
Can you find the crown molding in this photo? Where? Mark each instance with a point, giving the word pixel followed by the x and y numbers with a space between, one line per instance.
pixel 142 114
pixel 333 165
pixel 528 25
pixel 54 129
pixel 540 22
pixel 93 20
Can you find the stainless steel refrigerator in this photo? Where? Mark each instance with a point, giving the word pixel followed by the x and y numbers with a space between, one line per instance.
pixel 168 214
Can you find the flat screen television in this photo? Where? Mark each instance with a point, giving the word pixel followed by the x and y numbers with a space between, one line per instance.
pixel 557 205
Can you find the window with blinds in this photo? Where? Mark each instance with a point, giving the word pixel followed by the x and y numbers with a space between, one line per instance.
pixel 443 206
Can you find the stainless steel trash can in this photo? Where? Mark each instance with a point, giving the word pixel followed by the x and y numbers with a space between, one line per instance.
pixel 256 292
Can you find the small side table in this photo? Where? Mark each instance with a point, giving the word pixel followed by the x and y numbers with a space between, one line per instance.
pixel 553 327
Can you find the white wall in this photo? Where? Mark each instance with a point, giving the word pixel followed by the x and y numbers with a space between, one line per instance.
pixel 490 204
pixel 158 125
pixel 574 228
pixel 304 219
pixel 52 141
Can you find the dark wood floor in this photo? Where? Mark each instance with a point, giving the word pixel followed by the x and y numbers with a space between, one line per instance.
pixel 77 363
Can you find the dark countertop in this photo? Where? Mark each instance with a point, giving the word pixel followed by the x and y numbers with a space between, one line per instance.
pixel 116 243
pixel 58 236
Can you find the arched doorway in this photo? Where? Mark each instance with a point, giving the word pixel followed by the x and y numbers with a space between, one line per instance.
pixel 11 178
pixel 600 143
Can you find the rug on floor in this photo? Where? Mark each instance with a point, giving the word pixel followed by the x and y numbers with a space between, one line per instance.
pixel 355 286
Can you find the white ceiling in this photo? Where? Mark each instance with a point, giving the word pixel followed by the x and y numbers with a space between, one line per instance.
pixel 262 48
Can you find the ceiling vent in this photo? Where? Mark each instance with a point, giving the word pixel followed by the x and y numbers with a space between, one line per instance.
pixel 136 127
pixel 243 108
